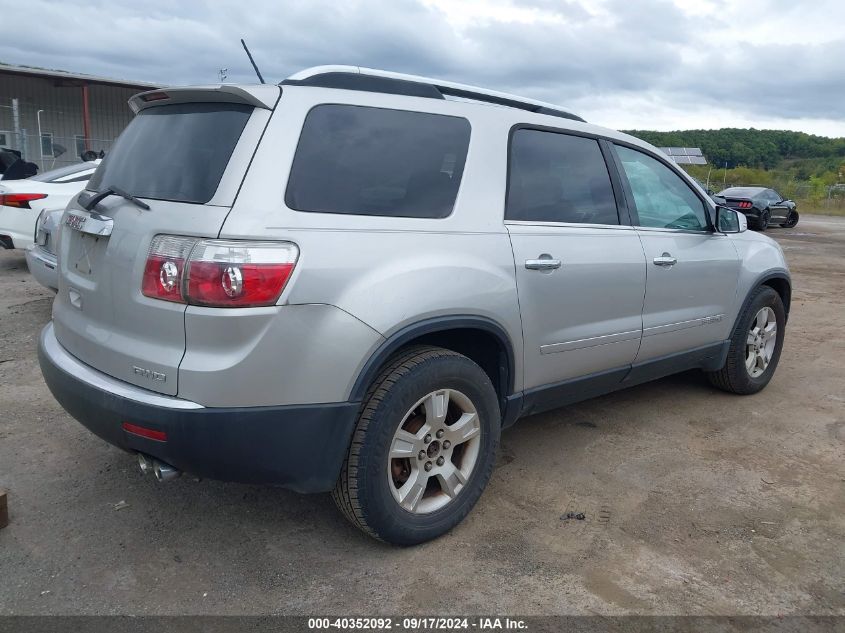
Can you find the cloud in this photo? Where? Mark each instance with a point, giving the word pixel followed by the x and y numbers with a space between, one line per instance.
pixel 692 62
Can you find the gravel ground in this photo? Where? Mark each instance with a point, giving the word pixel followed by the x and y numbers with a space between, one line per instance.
pixel 696 501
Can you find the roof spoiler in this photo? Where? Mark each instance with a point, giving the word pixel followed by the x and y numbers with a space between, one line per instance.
pixel 265 96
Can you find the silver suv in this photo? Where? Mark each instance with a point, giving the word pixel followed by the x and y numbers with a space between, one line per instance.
pixel 353 281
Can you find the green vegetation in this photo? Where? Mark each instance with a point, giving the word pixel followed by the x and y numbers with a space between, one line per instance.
pixel 798 165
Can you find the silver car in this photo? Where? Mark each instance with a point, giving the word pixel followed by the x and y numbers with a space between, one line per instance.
pixel 353 281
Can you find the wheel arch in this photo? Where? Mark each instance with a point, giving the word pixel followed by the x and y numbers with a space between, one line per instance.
pixel 781 284
pixel 479 338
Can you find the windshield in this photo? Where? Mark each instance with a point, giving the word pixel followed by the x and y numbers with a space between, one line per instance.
pixel 174 152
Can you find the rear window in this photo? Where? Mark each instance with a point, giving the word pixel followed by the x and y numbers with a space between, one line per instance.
pixel 746 192
pixel 174 152
pixel 372 161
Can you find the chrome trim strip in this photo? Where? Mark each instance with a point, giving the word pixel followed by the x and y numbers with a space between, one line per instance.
pixel 79 370
pixel 659 229
pixel 593 341
pixel 568 225
pixel 682 325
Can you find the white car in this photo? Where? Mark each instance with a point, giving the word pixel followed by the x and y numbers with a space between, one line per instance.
pixel 21 201
pixel 41 256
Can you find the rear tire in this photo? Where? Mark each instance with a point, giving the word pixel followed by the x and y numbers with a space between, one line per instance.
pixel 763 220
pixel 753 354
pixel 420 409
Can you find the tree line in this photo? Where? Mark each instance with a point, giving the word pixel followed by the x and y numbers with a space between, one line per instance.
pixel 806 155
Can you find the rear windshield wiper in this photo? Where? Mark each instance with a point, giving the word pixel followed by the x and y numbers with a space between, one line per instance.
pixel 95 199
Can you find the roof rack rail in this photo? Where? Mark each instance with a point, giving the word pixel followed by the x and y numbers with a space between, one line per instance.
pixel 371 80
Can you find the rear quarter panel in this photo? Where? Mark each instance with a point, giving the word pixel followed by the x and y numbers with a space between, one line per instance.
pixel 390 272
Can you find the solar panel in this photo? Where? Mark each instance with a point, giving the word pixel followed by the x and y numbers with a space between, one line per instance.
pixel 685 155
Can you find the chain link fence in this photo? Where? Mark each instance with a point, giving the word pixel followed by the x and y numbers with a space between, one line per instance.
pixel 50 152
pixel 51 132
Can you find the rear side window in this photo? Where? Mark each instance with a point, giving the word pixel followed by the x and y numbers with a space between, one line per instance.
pixel 558 178
pixel 372 161
pixel 174 152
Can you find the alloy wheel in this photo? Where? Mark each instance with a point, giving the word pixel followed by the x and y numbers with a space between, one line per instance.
pixel 760 342
pixel 434 451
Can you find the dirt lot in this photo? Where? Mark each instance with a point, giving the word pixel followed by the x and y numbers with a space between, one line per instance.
pixel 696 502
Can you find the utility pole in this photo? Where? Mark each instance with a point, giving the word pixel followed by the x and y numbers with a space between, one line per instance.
pixel 16 125
pixel 40 138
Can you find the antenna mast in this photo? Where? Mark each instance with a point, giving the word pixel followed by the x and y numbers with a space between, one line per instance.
pixel 252 61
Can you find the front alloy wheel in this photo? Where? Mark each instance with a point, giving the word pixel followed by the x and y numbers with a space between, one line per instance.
pixel 760 342
pixel 755 345
pixel 791 220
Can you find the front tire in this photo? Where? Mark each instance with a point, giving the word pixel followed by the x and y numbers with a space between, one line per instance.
pixel 423 449
pixel 756 345
pixel 791 220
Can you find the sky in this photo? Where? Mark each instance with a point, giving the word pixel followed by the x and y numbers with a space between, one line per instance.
pixel 625 64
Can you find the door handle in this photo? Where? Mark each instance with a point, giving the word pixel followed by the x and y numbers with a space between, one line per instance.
pixel 544 262
pixel 665 260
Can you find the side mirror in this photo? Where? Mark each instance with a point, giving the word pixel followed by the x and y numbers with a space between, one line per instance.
pixel 730 220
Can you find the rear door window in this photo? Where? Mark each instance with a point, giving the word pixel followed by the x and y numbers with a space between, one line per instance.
pixel 174 152
pixel 556 177
pixel 361 160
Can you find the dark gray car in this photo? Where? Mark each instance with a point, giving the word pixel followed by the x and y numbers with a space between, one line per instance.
pixel 761 206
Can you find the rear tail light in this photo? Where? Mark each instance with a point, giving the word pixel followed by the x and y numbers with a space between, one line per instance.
pixel 218 273
pixel 222 273
pixel 20 200
pixel 745 204
pixel 165 266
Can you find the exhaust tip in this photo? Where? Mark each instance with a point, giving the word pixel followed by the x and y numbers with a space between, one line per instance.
pixel 145 463
pixel 165 472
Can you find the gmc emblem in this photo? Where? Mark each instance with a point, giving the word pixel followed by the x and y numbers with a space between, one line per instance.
pixel 75 221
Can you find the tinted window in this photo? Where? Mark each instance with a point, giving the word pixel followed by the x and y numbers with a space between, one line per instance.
pixel 661 196
pixel 174 152
pixel 374 161
pixel 558 178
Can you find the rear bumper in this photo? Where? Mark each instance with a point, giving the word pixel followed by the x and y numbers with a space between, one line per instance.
pixel 17 226
pixel 42 265
pixel 753 212
pixel 300 447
